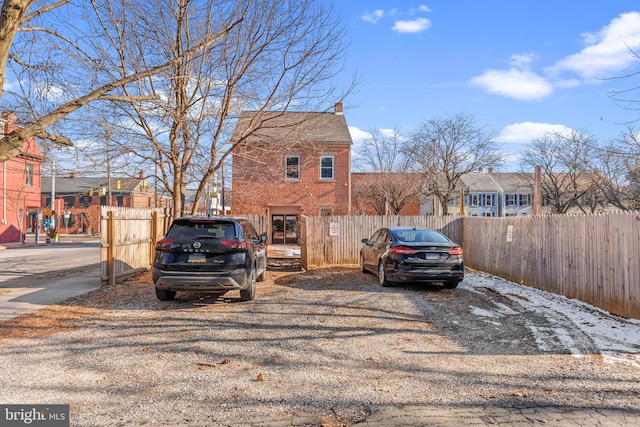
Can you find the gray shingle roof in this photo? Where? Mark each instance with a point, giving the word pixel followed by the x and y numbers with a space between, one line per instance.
pixel 479 182
pixel 294 126
pixel 68 185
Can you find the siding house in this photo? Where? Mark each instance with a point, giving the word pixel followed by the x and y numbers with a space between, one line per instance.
pixel 489 194
pixel 289 163
pixel 19 186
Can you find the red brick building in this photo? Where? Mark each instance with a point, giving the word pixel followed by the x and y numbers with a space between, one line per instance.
pixel 19 186
pixel 290 163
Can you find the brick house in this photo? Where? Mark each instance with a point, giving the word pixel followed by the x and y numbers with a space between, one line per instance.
pixel 19 186
pixel 78 199
pixel 290 163
pixel 363 204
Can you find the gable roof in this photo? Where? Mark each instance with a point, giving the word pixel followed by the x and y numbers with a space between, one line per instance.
pixel 325 128
pixel 514 182
pixel 479 182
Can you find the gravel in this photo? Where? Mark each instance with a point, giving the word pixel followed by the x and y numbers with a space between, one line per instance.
pixel 330 343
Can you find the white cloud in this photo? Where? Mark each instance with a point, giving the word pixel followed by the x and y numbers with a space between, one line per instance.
pixel 419 9
pixel 607 52
pixel 525 132
pixel 414 26
pixel 374 16
pixel 523 85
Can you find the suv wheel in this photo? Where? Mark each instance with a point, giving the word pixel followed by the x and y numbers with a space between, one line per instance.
pixel 249 293
pixel 165 295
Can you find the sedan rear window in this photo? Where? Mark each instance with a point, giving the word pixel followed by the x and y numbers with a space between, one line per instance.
pixel 415 236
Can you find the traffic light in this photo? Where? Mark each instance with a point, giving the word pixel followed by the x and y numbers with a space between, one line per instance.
pixel 91 192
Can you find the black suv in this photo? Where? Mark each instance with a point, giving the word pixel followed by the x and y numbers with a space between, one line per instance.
pixel 209 254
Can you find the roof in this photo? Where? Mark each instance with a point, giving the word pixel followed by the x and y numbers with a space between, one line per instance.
pixel 70 185
pixel 512 182
pixel 479 182
pixel 327 128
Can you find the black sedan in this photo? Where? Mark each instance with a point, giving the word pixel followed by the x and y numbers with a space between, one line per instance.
pixel 415 255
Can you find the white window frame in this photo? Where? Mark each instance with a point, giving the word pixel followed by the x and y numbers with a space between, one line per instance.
pixel 525 200
pixel 475 200
pixel 322 168
pixel 511 200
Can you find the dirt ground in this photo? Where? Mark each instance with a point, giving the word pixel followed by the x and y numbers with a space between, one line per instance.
pixel 330 342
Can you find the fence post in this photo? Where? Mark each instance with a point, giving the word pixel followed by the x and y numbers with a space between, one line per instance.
pixel 110 248
pixel 154 235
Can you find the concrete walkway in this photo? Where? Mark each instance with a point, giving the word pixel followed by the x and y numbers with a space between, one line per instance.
pixel 17 301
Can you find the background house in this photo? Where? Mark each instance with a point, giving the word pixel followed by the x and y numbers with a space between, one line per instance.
pixel 289 163
pixel 19 186
pixel 78 199
pixel 488 194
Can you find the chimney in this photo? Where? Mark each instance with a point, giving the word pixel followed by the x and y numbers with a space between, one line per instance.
pixel 490 170
pixel 338 109
pixel 141 175
pixel 480 170
pixel 9 122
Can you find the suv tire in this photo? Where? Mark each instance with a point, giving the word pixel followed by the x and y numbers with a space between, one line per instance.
pixel 165 295
pixel 249 293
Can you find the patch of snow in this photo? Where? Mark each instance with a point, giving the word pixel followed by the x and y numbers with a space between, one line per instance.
pixel 616 338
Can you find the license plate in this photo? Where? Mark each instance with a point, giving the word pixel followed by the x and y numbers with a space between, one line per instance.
pixel 431 256
pixel 198 258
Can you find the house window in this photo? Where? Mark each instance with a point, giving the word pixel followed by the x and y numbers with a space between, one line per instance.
pixel 292 167
pixel 525 199
pixel 69 201
pixel 120 200
pixel 326 211
pixel 28 172
pixel 85 201
pixel 511 199
pixel 326 167
pixel 489 200
pixel 474 200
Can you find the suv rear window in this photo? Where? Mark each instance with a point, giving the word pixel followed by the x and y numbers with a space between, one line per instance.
pixel 193 230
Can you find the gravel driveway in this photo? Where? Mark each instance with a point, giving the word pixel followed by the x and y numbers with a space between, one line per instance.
pixel 330 343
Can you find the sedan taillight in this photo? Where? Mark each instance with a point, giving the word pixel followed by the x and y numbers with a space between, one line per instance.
pixel 403 250
pixel 457 251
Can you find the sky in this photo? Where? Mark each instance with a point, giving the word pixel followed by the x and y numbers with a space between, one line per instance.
pixel 521 68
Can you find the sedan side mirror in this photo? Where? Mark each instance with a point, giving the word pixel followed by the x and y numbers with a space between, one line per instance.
pixel 365 241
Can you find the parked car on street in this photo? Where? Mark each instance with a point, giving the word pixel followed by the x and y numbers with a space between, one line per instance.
pixel 209 254
pixel 405 254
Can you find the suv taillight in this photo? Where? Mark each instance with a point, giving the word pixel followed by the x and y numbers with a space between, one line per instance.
pixel 403 250
pixel 457 251
pixel 235 244
pixel 164 244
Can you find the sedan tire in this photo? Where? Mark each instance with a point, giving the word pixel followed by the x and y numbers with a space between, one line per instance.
pixel 382 275
pixel 451 285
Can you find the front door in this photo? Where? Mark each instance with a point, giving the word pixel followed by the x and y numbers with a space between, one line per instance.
pixel 284 229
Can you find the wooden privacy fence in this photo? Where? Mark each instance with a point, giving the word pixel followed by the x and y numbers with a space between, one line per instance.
pixel 127 240
pixel 338 239
pixel 593 258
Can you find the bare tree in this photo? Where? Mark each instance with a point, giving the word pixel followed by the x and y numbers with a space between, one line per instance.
pixel 388 186
pixel 565 162
pixel 446 148
pixel 274 55
pixel 46 52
